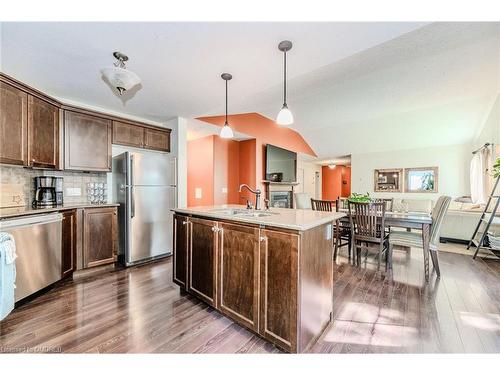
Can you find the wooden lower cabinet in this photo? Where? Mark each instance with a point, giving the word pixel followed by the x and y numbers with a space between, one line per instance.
pixel 278 288
pixel 202 259
pixel 68 243
pixel 276 282
pixel 181 248
pixel 238 254
pixel 99 236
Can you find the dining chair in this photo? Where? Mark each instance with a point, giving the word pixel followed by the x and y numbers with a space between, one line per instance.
pixel 388 202
pixel 322 205
pixel 368 227
pixel 341 229
pixel 411 239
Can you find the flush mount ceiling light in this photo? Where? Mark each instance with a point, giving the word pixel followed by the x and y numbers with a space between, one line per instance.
pixel 285 116
pixel 118 76
pixel 226 131
pixel 331 166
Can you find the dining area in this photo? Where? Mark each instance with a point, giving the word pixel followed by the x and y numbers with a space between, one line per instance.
pixel 374 225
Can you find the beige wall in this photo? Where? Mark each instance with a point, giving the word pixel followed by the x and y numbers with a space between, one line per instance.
pixel 306 175
pixel 453 163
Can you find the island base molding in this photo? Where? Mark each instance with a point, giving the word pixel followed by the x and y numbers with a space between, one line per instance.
pixel 275 282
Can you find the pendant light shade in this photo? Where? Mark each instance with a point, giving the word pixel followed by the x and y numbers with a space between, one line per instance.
pixel 285 116
pixel 226 131
pixel 118 76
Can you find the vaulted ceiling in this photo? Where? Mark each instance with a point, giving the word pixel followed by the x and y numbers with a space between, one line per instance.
pixel 353 87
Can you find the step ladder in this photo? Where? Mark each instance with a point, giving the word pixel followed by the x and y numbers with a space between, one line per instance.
pixel 487 219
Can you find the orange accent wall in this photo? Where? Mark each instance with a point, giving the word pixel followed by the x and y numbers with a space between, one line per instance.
pixel 265 130
pixel 346 176
pixel 248 167
pixel 331 182
pixel 214 164
pixel 200 171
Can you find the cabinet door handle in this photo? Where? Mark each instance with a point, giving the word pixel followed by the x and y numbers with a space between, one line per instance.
pixel 214 229
pixel 184 222
pixel 263 238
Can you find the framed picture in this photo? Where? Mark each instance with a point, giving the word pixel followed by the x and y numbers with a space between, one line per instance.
pixel 388 180
pixel 421 180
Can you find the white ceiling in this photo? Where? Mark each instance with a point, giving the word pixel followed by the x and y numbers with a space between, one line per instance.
pixel 179 63
pixel 354 87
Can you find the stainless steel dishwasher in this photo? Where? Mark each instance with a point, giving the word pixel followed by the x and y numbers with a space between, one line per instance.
pixel 38 247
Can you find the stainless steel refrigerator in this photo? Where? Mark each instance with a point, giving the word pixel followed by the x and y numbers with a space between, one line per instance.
pixel 145 185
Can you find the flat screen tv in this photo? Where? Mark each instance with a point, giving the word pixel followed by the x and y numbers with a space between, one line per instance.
pixel 281 164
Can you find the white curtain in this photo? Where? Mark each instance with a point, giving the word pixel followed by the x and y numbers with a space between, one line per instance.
pixel 480 178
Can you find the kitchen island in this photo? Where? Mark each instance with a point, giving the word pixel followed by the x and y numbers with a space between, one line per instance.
pixel 269 270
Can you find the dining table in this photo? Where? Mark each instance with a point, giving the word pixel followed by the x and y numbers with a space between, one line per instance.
pixel 411 220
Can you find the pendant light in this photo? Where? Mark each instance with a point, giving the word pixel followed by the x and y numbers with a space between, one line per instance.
pixel 226 131
pixel 118 76
pixel 285 116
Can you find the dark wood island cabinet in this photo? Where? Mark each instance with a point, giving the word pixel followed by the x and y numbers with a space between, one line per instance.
pixel 275 281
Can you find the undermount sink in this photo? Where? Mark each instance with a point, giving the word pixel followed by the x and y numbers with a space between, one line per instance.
pixel 242 212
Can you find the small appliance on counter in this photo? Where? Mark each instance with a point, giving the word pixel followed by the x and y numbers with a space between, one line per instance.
pixel 48 191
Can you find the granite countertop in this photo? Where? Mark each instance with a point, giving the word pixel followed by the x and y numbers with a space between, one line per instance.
pixel 279 217
pixel 28 210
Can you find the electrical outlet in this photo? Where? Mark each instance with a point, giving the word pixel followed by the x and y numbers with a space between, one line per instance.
pixel 197 193
pixel 73 192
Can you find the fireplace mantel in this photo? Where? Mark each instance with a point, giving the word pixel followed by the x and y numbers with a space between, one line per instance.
pixel 282 183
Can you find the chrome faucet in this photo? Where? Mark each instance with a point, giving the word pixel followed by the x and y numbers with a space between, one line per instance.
pixel 256 192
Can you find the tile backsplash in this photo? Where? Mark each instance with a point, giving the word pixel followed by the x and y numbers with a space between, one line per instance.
pixel 75 183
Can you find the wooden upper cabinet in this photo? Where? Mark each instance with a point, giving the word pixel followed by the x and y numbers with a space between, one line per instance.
pixel 157 139
pixel 239 273
pixel 202 256
pixel 43 133
pixel 128 134
pixel 13 125
pixel 99 236
pixel 87 142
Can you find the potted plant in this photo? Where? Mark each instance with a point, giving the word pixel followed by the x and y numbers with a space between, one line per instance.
pixel 360 198
pixel 496 168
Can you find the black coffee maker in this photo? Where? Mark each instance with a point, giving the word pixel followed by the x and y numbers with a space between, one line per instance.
pixel 48 191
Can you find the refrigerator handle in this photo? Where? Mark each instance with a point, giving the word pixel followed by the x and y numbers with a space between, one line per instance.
pixel 175 172
pixel 131 174
pixel 132 202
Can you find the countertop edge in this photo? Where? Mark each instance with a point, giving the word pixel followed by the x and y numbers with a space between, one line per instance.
pixel 256 221
pixel 40 211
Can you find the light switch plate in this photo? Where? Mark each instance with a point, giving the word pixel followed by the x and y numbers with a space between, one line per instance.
pixel 197 193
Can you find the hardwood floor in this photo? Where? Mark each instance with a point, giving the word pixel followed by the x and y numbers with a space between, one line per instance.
pixel 140 310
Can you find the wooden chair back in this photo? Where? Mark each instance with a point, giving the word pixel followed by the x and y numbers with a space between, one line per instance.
pixel 323 205
pixel 388 202
pixel 367 220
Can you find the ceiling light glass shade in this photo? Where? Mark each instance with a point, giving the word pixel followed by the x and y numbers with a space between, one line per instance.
pixel 331 166
pixel 121 79
pixel 285 116
pixel 226 132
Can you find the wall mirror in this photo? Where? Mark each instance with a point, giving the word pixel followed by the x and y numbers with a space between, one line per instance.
pixel 388 180
pixel 421 180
